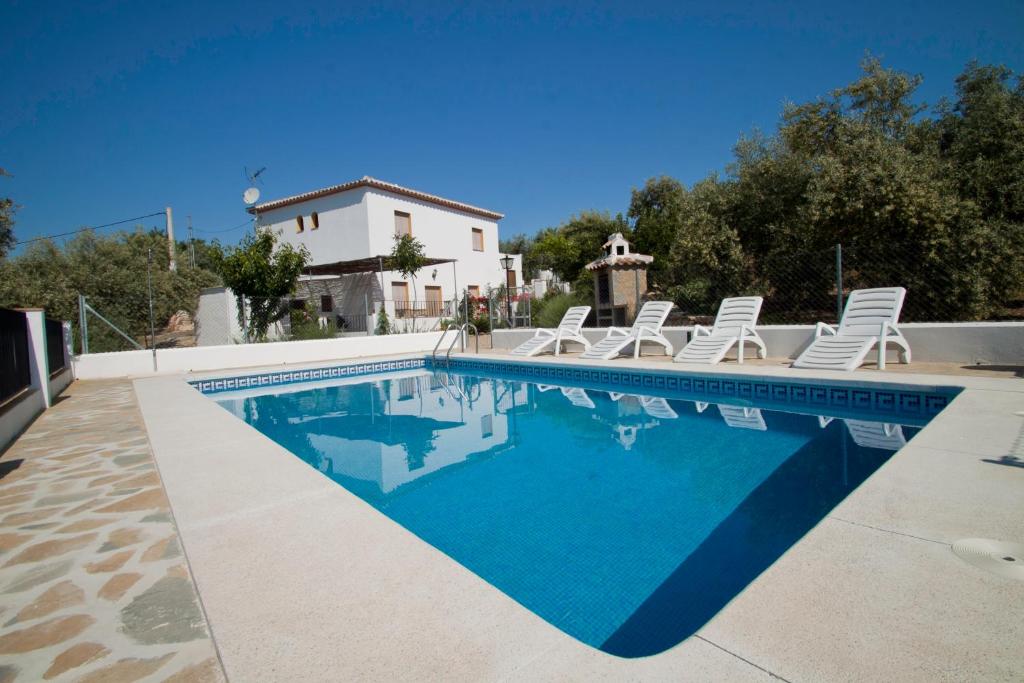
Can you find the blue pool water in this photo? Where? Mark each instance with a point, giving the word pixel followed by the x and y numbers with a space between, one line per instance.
pixel 625 520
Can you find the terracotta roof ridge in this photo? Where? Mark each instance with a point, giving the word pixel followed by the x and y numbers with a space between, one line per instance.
pixel 370 181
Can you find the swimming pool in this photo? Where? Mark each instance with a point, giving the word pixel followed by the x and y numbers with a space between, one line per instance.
pixel 625 513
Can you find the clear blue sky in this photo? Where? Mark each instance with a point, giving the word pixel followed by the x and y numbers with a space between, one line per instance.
pixel 115 109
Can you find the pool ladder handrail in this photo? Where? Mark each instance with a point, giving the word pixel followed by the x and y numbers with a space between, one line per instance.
pixel 460 337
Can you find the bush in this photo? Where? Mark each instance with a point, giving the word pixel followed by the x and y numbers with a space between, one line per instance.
pixel 383 322
pixel 483 325
pixel 305 324
pixel 553 309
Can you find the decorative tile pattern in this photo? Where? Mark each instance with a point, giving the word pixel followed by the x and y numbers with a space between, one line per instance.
pixel 887 400
pixel 906 403
pixel 264 379
pixel 93 584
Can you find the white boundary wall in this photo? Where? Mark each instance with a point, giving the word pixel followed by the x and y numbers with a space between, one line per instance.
pixel 968 343
pixel 202 358
pixel 20 413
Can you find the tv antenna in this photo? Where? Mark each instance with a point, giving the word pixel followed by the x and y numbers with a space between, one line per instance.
pixel 252 194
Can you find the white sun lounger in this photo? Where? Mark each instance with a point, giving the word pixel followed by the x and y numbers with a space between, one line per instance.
pixel 734 325
pixel 657 407
pixel 882 435
pixel 578 397
pixel 567 330
pixel 743 418
pixel 870 318
pixel 654 406
pixel 646 328
pixel 740 417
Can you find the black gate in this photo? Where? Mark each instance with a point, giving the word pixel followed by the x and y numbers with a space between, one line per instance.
pixel 14 372
pixel 56 358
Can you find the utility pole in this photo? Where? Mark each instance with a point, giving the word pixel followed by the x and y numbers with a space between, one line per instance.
pixel 170 238
pixel 191 245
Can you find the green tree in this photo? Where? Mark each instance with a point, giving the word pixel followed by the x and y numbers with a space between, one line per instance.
pixel 707 261
pixel 928 202
pixel 407 258
pixel 111 272
pixel 521 244
pixel 7 209
pixel 982 137
pixel 262 272
pixel 568 248
pixel 657 212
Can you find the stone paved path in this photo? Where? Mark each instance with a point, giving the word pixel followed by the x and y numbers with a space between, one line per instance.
pixel 93 584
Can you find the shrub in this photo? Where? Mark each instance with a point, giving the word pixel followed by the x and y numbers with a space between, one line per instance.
pixel 305 324
pixel 553 309
pixel 383 323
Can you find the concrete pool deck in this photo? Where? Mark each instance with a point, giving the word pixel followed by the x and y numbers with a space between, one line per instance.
pixel 303 580
pixel 93 584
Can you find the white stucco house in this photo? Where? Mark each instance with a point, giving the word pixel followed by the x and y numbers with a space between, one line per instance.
pixel 350 229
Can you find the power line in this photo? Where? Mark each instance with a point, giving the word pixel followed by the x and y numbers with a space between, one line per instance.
pixel 249 221
pixel 93 227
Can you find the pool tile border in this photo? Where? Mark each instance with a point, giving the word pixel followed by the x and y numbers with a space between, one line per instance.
pixel 923 402
pixel 917 401
pixel 264 379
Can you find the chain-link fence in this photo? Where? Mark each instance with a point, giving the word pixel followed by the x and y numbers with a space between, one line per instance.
pixel 498 308
pixel 811 286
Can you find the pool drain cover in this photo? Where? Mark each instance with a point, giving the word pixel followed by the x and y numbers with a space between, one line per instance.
pixel 999 557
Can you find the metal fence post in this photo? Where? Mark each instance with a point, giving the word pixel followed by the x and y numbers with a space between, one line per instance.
pixel 83 324
pixel 245 326
pixel 839 282
pixel 152 319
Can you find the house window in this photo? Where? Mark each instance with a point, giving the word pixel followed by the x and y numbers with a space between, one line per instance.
pixel 326 304
pixel 478 239
pixel 511 279
pixel 620 249
pixel 315 218
pixel 474 291
pixel 486 426
pixel 299 225
pixel 403 223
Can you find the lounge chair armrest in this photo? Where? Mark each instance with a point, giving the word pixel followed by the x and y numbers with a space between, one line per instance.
pixel 619 331
pixel 545 332
pixel 700 329
pixel 821 328
pixel 890 327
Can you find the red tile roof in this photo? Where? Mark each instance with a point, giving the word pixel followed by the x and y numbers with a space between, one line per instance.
pixel 367 181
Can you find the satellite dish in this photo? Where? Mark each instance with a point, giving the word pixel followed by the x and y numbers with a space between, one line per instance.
pixel 251 195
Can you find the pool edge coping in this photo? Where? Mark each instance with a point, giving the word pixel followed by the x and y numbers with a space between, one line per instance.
pixel 555 639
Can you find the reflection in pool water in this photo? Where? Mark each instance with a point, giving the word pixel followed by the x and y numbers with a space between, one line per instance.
pixel 625 520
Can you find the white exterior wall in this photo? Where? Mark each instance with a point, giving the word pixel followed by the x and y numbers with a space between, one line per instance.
pixel 360 223
pixel 445 233
pixel 202 358
pixel 982 343
pixel 342 234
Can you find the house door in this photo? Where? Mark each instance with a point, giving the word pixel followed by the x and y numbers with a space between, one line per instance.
pixel 400 295
pixel 434 302
pixel 511 279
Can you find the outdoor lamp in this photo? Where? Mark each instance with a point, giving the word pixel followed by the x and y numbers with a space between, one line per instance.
pixel 506 263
